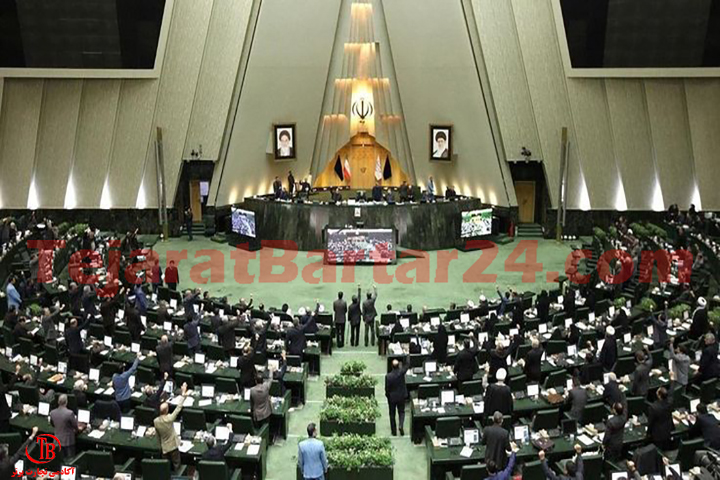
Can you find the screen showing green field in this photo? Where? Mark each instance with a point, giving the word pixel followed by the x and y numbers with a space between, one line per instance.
pixel 476 223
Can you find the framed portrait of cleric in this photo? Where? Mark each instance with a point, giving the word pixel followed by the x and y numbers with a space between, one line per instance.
pixel 284 141
pixel 441 142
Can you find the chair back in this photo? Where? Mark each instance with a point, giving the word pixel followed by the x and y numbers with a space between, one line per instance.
pixel 12 440
pixel 216 352
pixel 80 362
pixel 448 427
pixel 686 452
pixel 428 391
pixel 594 413
pixel 708 391
pixel 181 378
pixel 624 366
pixel 27 347
pixel 556 346
pixel 242 424
pixel 212 470
pixel 181 348
pixel 50 356
pixel 145 376
pixel 518 384
pixel 473 472
pixel 148 343
pixel 226 385
pixel 156 469
pixel 592 467
pixel 123 338
pixel 100 464
pixel 28 394
pixel 636 406
pixel 194 419
pixel 145 415
pixel 546 420
pixel 470 389
pixel 533 471
pixel 108 369
pixel 556 379
pixel 294 360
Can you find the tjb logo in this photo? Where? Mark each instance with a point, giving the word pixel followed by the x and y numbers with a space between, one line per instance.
pixel 47 444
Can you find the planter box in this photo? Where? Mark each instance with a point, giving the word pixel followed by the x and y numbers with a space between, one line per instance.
pixel 376 473
pixel 349 392
pixel 329 427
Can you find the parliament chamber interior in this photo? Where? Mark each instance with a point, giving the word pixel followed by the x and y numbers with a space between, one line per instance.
pixel 351 239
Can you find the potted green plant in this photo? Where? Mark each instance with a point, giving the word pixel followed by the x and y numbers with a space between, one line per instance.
pixel 647 305
pixel 353 368
pixel 350 385
pixel 341 415
pixel 357 457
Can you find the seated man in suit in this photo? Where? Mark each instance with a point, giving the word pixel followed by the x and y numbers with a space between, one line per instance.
pixel 707 427
pixel 215 452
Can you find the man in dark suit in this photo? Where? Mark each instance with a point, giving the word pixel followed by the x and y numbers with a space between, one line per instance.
pixel 7 462
pixel 543 306
pixel 191 331
pixel 154 395
pixel 369 313
pixel 246 366
pixel 164 352
pixel 611 391
pixel 577 399
pixel 707 427
pixel 498 397
pixel 497 441
pixel 277 187
pixel 608 353
pixel 355 316
pixel 403 192
pixel 295 341
pixel 700 324
pixel 533 361
pixel 614 431
pixel 660 422
pixel 66 426
pixel 465 363
pixel 291 183
pixel 215 452
pixel 340 317
pixel 709 363
pixel 215 320
pixel 73 340
pixel 641 377
pixel 377 192
pixel 396 393
pixel 226 334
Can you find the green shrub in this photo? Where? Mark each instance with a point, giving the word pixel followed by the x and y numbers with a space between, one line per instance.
pixel 63 228
pixel 678 310
pixel 353 368
pixel 350 410
pixel 612 232
pixel 647 305
pixel 714 317
pixel 657 231
pixel 639 230
pixel 620 302
pixel 351 381
pixel 78 229
pixel 35 310
pixel 600 234
pixel 353 452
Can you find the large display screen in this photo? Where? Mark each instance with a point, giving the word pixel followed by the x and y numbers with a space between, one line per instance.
pixel 642 33
pixel 476 223
pixel 80 34
pixel 243 222
pixel 360 245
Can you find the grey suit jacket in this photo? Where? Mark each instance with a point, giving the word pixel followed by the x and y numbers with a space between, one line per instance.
pixel 340 309
pixel 260 400
pixel 65 424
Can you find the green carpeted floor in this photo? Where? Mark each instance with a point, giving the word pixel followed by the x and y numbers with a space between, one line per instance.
pixel 459 286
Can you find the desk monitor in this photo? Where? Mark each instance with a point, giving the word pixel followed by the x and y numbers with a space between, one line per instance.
pixel 167 326
pixel 569 426
pixel 94 375
pixel 571 350
pixel 169 387
pixel 222 433
pixel 619 476
pixel 533 390
pixel 471 436
pixel 208 391
pixel 62 367
pixel 43 408
pixel 435 321
pixel 447 396
pixel 694 404
pixel 464 317
pixel 127 424
pixel 405 322
pixel 430 367
pixel 451 340
pixel 200 358
pixel 273 365
pixel 84 416
pixel 521 433
pixel 674 467
pixel 177 426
